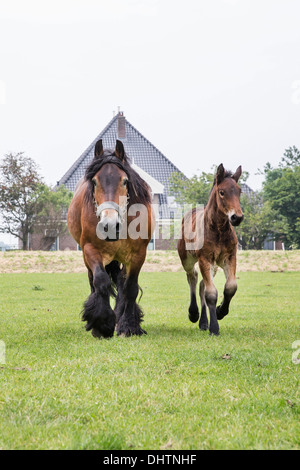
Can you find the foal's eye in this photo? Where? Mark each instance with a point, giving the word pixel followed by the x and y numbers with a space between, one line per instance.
pixel 221 192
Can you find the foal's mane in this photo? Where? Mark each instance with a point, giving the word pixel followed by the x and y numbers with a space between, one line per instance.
pixel 227 174
pixel 138 190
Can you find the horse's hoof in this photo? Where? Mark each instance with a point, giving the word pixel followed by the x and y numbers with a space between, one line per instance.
pixel 203 326
pixel 131 332
pixel 102 334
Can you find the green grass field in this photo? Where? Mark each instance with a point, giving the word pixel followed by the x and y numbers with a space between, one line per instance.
pixel 175 388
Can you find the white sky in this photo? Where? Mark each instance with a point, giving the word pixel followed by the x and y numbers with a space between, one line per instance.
pixel 206 81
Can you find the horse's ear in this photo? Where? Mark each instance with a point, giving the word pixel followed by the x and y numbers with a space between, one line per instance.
pixel 98 149
pixel 220 174
pixel 237 174
pixel 119 150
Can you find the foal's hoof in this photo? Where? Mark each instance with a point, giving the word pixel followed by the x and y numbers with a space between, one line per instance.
pixel 193 315
pixel 221 313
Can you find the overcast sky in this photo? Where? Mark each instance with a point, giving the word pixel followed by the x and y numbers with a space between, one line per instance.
pixel 206 81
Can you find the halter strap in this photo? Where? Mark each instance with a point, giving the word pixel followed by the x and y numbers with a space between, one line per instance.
pixel 109 205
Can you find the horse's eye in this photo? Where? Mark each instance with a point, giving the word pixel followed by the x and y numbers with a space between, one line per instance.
pixel 221 192
pixel 125 181
pixel 94 181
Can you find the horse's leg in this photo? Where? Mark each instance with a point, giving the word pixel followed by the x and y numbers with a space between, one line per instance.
pixel 90 275
pixel 129 322
pixel 229 289
pixel 97 312
pixel 192 278
pixel 203 322
pixel 210 295
pixel 120 300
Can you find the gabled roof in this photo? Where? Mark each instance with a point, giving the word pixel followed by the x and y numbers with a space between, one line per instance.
pixel 246 189
pixel 140 151
pixel 156 186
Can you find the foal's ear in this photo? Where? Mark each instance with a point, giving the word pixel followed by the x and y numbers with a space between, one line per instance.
pixel 98 149
pixel 220 174
pixel 119 150
pixel 237 174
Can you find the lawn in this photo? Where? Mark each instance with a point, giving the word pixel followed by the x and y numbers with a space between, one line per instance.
pixel 175 388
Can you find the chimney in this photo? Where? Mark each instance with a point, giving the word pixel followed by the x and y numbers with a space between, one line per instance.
pixel 121 126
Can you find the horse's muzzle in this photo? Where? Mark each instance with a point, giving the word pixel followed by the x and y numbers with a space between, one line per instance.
pixel 109 229
pixel 235 220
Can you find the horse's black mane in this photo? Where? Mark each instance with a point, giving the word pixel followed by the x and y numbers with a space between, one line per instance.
pixel 138 190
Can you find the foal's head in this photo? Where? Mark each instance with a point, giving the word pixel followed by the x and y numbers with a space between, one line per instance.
pixel 110 189
pixel 228 194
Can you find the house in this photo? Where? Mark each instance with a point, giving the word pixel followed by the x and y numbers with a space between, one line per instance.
pixel 4 246
pixel 152 165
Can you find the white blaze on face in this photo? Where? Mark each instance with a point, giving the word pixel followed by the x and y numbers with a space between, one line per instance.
pixel 230 214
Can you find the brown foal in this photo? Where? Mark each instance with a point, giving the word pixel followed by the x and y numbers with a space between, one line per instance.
pixel 218 248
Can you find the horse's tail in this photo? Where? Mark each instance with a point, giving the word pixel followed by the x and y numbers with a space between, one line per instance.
pixel 113 269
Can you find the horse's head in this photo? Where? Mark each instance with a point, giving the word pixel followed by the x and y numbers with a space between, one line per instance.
pixel 228 194
pixel 110 190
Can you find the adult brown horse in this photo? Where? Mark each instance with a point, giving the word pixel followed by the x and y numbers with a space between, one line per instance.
pixel 110 198
pixel 215 246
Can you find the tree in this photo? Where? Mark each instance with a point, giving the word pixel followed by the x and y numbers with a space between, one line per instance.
pixel 51 211
pixel 195 190
pixel 281 189
pixel 258 222
pixel 20 183
pixel 27 204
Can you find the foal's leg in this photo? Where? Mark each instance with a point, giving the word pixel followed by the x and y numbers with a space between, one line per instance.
pixel 97 312
pixel 229 289
pixel 192 278
pixel 203 323
pixel 210 295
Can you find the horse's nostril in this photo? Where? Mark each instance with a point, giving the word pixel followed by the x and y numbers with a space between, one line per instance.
pixel 236 219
